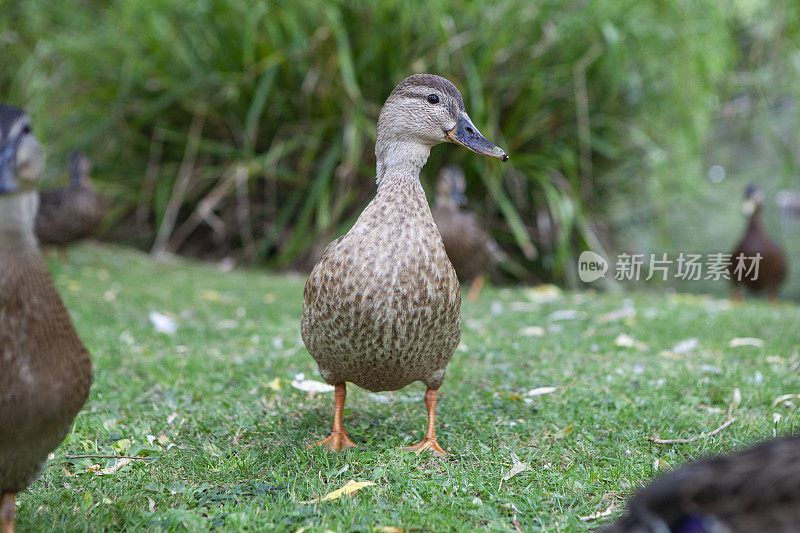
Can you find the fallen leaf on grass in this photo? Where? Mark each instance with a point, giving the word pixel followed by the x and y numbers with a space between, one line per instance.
pixel 619 314
pixel 310 385
pixel 563 432
pixel 599 514
pixel 543 293
pixel 564 314
pixel 275 384
pixel 745 341
pixel 348 488
pixel 685 346
pixel 539 391
pixel 626 341
pixel 119 463
pixel 661 464
pixel 532 331
pixel 785 399
pixel 163 323
pixel 517 467
pixel 388 529
pixel 711 369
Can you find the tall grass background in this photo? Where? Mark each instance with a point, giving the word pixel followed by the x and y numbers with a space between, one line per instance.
pixel 246 129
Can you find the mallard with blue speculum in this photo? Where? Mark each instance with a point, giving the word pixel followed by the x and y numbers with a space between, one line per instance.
pixel 382 307
pixel 772 267
pixel 45 370
pixel 469 246
pixel 757 489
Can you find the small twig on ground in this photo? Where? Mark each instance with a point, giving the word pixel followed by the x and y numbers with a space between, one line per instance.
pixel 728 421
pixel 132 457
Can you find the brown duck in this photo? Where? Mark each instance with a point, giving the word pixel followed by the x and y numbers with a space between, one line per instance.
pixel 469 246
pixel 767 274
pixel 381 309
pixel 757 489
pixel 71 213
pixel 45 371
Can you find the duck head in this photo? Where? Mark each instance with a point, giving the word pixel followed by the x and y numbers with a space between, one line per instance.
pixel 20 153
pixel 451 186
pixel 79 168
pixel 423 111
pixel 753 199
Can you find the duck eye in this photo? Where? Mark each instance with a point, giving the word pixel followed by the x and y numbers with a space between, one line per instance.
pixel 433 98
pixel 26 129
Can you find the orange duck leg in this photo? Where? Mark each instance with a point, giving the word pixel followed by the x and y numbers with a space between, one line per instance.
pixel 429 442
pixel 7 511
pixel 338 440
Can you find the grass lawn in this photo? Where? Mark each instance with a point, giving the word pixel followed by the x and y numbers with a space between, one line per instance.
pixel 224 434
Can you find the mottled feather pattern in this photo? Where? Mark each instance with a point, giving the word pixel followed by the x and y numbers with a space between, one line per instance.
pixel 757 489
pixel 381 309
pixel 46 370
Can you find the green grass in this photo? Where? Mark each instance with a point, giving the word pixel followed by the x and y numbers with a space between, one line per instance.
pixel 240 460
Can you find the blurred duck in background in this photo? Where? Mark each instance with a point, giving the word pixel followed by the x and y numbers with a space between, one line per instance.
pixel 770 271
pixel 757 489
pixel 788 202
pixel 71 213
pixel 469 246
pixel 45 370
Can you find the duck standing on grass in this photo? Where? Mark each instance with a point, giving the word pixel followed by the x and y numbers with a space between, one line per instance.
pixel 772 267
pixel 71 213
pixel 382 308
pixel 469 246
pixel 754 490
pixel 45 371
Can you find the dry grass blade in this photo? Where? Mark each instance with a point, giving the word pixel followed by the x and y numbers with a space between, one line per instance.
pixel 185 173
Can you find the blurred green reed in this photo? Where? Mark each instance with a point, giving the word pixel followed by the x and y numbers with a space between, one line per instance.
pixel 247 128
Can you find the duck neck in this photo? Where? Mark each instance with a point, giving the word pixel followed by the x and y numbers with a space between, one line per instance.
pixel 445 201
pixel 755 222
pixel 400 162
pixel 17 218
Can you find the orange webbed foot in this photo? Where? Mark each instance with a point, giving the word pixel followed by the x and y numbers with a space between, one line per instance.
pixel 337 442
pixel 339 439
pixel 427 444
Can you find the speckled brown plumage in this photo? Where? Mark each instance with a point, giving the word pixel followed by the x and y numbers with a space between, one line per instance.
pixel 773 266
pixel 45 371
pixel 71 213
pixel 381 308
pixel 755 490
pixel 469 246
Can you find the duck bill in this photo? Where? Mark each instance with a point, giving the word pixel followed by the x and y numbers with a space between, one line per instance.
pixel 458 197
pixel 7 183
pixel 467 135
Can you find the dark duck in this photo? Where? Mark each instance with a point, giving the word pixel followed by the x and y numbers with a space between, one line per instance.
pixel 771 269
